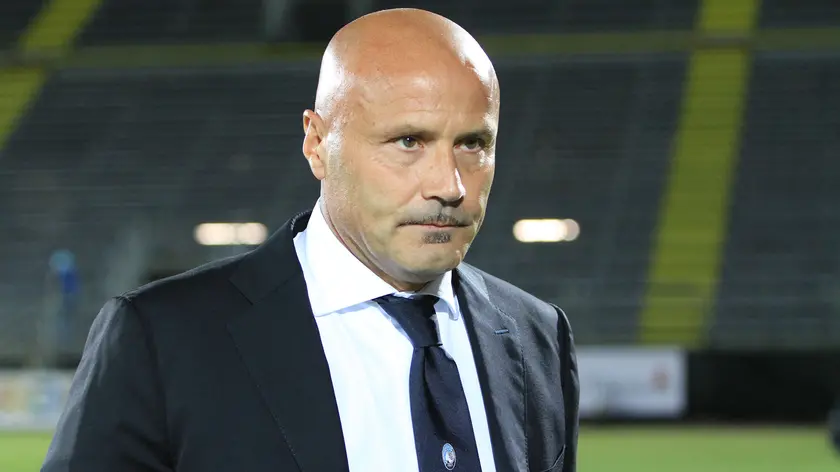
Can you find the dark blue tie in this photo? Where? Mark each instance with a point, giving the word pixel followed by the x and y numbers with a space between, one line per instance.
pixel 443 433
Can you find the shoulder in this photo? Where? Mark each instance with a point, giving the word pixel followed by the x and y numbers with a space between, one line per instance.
pixel 183 312
pixel 202 290
pixel 521 305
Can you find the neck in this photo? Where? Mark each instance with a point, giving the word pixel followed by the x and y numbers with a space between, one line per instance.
pixel 402 286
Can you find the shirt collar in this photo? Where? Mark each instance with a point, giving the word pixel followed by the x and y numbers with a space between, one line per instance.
pixel 337 280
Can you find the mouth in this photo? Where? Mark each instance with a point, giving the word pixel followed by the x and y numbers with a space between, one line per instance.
pixel 435 226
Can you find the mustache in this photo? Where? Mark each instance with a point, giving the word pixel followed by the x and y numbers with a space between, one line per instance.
pixel 438 219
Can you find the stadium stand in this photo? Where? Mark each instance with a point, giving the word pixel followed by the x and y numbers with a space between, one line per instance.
pixel 15 15
pixel 547 16
pixel 167 21
pixel 780 282
pixel 157 147
pixel 800 13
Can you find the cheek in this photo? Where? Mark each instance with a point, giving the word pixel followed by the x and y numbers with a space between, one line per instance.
pixel 372 200
pixel 386 188
pixel 478 185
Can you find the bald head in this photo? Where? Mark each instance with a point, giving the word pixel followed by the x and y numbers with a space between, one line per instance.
pixel 392 44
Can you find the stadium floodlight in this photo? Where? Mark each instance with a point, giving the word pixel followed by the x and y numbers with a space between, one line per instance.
pixel 550 230
pixel 230 234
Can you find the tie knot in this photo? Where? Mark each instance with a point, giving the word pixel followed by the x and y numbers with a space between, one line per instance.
pixel 414 316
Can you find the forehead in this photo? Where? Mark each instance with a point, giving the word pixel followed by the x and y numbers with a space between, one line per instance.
pixel 459 96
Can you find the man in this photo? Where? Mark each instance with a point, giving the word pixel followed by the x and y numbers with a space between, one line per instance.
pixel 355 339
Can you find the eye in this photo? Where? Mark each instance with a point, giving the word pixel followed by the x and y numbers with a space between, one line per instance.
pixel 473 144
pixel 408 142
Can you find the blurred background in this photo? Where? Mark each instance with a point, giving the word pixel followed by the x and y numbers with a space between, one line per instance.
pixel 668 172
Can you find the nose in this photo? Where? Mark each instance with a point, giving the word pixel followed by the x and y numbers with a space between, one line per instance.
pixel 442 179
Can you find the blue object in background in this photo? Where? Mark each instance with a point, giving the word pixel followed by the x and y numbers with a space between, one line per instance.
pixel 63 268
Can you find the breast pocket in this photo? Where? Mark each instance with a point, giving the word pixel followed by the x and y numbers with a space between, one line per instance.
pixel 558 463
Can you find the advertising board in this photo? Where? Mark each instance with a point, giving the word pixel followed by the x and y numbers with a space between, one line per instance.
pixel 632 382
pixel 32 400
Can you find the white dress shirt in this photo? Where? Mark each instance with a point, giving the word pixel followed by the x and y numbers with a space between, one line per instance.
pixel 370 356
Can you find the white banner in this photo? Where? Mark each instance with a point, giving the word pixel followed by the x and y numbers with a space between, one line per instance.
pixel 632 382
pixel 32 400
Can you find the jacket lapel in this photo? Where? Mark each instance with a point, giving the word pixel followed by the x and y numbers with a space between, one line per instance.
pixel 279 343
pixel 497 348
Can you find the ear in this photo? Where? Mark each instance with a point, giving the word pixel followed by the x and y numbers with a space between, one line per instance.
pixel 315 132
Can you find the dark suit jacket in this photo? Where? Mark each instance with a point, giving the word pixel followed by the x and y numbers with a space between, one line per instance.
pixel 222 369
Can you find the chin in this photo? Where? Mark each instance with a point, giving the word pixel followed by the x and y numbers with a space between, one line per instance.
pixel 437 259
pixel 432 253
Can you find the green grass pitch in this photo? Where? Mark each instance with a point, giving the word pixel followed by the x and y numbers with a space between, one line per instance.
pixel 604 449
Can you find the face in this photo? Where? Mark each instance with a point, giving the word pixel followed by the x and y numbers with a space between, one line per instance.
pixel 406 172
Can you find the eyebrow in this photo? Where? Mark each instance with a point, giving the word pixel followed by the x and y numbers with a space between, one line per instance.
pixel 484 132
